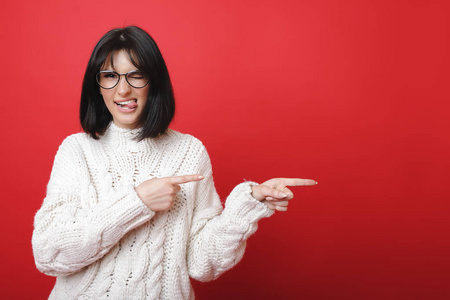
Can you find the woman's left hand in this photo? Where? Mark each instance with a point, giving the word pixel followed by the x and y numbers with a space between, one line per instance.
pixel 275 194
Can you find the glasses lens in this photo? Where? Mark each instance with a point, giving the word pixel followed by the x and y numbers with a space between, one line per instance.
pixel 137 79
pixel 107 79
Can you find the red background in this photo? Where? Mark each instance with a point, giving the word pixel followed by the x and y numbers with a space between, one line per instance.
pixel 354 94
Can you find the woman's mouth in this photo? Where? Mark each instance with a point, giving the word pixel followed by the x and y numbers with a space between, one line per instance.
pixel 127 104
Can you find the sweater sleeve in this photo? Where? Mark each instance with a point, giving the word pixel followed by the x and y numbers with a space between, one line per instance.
pixel 218 237
pixel 73 228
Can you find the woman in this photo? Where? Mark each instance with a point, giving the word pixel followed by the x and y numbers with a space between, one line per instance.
pixel 131 211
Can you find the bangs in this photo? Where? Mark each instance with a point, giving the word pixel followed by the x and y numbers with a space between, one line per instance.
pixel 132 57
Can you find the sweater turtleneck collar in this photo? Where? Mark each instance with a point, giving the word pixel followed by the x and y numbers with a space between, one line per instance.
pixel 123 131
pixel 119 137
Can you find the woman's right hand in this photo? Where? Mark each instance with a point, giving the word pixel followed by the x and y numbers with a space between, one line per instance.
pixel 159 193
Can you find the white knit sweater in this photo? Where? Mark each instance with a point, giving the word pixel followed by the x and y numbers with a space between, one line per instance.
pixel 95 234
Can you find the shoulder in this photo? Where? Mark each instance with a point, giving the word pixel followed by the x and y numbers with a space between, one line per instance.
pixel 76 138
pixel 174 138
pixel 70 160
pixel 74 143
pixel 184 153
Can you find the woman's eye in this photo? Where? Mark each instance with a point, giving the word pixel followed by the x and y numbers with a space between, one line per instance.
pixel 136 75
pixel 110 75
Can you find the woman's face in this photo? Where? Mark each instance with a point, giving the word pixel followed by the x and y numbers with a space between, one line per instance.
pixel 124 102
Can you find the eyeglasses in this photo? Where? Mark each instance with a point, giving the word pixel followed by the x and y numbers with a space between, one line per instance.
pixel 109 79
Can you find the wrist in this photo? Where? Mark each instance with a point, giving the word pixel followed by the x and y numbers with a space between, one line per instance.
pixel 255 193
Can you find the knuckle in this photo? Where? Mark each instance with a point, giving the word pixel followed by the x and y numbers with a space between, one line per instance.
pixel 174 189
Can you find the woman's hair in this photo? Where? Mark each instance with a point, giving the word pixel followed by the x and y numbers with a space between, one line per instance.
pixel 145 55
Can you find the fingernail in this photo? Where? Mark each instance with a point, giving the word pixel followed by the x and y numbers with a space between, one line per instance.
pixel 317 182
pixel 201 177
pixel 283 195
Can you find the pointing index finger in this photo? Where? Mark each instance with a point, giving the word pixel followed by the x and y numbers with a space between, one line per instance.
pixel 185 179
pixel 299 182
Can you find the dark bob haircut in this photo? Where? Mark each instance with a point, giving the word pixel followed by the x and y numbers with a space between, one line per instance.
pixel 145 55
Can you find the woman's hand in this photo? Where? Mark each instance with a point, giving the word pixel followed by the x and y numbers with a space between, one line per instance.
pixel 274 192
pixel 159 193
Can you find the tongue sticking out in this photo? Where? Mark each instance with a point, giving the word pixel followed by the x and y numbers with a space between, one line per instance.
pixel 128 104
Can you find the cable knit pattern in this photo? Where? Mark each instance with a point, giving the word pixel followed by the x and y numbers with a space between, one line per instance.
pixel 102 242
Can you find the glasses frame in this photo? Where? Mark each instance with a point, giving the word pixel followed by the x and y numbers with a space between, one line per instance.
pixel 126 78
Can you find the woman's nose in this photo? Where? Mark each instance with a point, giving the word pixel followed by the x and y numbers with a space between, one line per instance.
pixel 123 88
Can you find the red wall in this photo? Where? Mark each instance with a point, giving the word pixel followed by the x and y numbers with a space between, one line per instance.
pixel 354 94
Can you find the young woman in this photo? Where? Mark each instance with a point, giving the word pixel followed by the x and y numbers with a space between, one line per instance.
pixel 131 210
